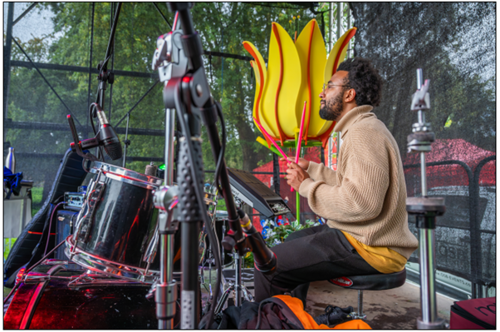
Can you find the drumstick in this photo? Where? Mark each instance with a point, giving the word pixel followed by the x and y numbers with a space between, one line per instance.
pixel 270 138
pixel 300 133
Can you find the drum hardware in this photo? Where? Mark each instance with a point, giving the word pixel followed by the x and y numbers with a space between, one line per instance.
pixel 107 267
pixel 166 199
pixel 84 224
pixel 74 200
pixel 237 287
pixel 426 209
pixel 189 93
pixel 171 62
pixel 151 169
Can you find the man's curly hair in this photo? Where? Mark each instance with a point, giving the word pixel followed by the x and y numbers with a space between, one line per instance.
pixel 364 79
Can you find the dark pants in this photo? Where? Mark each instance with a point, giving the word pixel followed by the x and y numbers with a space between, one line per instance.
pixel 311 254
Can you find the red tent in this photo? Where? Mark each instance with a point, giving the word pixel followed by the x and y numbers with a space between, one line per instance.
pixel 452 175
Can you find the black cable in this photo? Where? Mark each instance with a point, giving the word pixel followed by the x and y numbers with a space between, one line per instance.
pixel 159 11
pixel 90 65
pixel 46 81
pixel 280 7
pixel 147 92
pixel 199 197
pixel 50 225
pixel 24 13
pixel 222 150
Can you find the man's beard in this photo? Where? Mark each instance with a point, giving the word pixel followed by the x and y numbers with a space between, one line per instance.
pixel 332 110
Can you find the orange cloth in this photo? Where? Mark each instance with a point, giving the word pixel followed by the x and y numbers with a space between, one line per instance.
pixel 308 322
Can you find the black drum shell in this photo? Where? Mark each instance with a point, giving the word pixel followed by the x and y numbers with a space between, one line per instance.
pixel 123 224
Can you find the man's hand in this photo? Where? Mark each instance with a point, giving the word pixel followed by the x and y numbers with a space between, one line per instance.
pixel 304 164
pixel 295 175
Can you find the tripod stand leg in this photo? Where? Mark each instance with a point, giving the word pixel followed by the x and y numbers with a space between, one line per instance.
pixel 223 299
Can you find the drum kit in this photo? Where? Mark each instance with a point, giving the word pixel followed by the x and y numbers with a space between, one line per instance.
pixel 115 245
pixel 137 236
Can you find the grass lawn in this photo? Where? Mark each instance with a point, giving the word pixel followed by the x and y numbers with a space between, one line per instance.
pixel 7 246
pixel 36 199
pixel 6 292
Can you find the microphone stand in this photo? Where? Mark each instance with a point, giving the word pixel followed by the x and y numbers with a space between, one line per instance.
pixel 426 209
pixel 104 76
pixel 190 95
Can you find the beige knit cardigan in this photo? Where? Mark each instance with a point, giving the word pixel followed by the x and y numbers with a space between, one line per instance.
pixel 366 196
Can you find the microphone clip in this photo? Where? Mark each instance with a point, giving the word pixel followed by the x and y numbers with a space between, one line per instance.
pixel 78 146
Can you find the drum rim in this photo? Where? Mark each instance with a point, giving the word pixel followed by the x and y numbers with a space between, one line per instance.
pixel 132 176
pixel 99 264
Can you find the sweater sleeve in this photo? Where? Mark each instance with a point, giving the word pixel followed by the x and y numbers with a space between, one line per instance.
pixel 358 198
pixel 319 172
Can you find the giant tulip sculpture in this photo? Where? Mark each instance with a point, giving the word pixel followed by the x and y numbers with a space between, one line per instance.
pixel 295 74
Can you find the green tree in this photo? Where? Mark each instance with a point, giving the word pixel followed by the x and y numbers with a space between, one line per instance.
pixel 222 28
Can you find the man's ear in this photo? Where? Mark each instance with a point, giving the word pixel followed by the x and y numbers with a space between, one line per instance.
pixel 350 96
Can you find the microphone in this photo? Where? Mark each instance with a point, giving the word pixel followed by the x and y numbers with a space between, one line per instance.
pixel 108 138
pixel 264 258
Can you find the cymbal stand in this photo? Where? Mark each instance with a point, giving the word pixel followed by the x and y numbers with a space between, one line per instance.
pixel 426 209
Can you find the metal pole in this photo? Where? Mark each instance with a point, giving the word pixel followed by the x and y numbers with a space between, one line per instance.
pixel 6 59
pixel 126 141
pixel 339 19
pixel 330 25
pixel 349 45
pixel 421 120
pixel 167 240
pixel 169 146
pixel 426 223
pixel 237 280
pixel 24 13
pixel 112 65
pixel 90 68
pixel 427 275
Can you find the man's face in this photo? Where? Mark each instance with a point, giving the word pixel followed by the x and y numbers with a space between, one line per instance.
pixel 332 102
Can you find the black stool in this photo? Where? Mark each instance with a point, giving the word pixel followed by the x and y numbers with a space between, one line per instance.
pixel 370 282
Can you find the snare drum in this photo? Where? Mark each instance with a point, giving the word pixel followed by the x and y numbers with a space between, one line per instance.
pixel 117 224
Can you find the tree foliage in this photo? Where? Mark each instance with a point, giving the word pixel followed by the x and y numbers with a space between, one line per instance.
pixel 222 28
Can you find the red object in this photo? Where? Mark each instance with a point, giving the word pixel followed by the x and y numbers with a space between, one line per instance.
pixel 473 314
pixel 269 137
pixel 282 134
pixel 39 233
pixel 452 175
pixel 309 94
pixel 342 281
